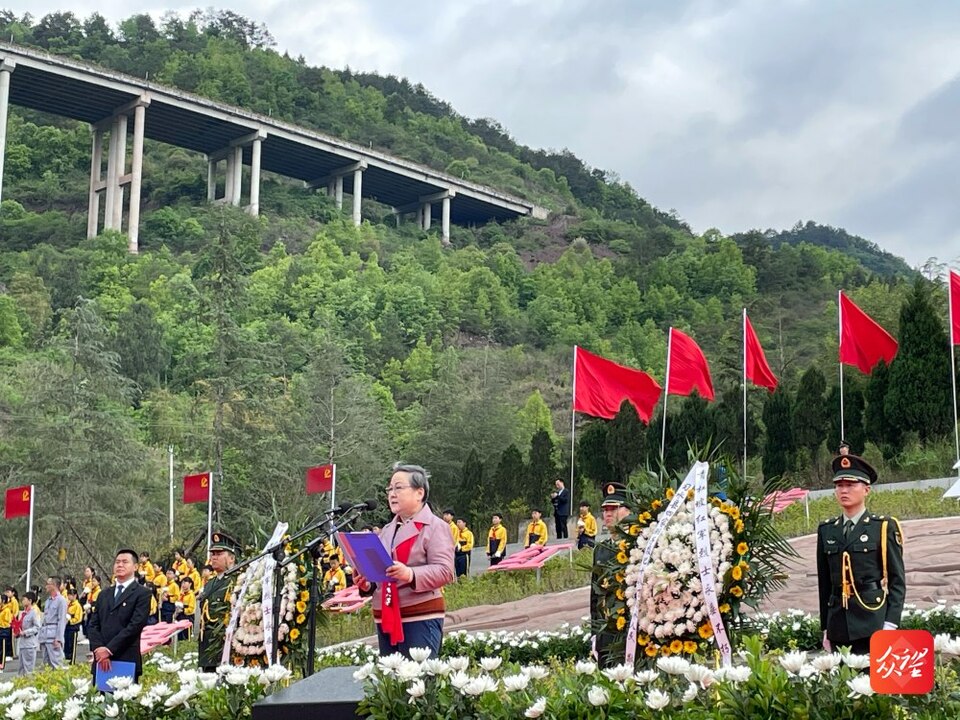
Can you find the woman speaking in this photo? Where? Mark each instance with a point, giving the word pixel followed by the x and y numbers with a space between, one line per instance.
pixel 409 610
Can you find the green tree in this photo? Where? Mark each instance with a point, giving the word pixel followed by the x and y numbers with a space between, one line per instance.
pixel 918 397
pixel 810 413
pixel 779 446
pixel 592 460
pixel 10 333
pixel 541 468
pixel 625 442
pixel 877 426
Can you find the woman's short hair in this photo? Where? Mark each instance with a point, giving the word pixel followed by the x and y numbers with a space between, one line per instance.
pixel 419 477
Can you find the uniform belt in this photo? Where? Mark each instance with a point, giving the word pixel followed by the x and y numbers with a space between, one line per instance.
pixel 865 587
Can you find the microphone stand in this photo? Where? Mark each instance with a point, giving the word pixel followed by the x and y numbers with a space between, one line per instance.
pixel 314 548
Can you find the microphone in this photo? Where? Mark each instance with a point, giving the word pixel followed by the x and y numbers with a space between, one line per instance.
pixel 365 505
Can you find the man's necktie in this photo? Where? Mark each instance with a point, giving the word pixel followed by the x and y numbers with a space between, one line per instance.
pixel 847 527
pixel 116 593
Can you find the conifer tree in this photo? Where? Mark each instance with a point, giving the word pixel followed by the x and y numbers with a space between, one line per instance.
pixel 779 445
pixel 810 413
pixel 625 442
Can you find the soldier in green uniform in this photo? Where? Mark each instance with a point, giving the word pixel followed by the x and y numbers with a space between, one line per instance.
pixel 859 563
pixel 614 508
pixel 214 601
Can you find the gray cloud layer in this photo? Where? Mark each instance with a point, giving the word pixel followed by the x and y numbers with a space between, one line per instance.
pixel 736 114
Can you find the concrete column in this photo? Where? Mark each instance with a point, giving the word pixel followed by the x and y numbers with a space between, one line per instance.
pixel 237 153
pixel 6 67
pixel 96 177
pixel 211 179
pixel 121 122
pixel 136 181
pixel 338 191
pixel 255 177
pixel 445 236
pixel 116 162
pixel 228 182
pixel 357 195
pixel 426 216
pixel 331 188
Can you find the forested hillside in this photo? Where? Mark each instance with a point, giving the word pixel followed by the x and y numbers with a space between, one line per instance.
pixel 258 347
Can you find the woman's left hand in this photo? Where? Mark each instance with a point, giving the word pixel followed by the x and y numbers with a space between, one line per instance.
pixel 400 572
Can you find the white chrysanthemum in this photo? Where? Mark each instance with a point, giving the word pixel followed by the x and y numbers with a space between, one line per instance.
pixel 646 676
pixel 17 711
pixel 459 663
pixel 459 679
pixel 657 699
pixel 515 683
pixel 689 694
pixel 490 663
pixel 793 661
pixel 673 665
pixel 585 667
pixel 827 663
pixel 409 670
pixel 419 654
pixel 111 711
pixel 860 685
pixel 619 673
pixel 598 696
pixel 857 662
pixel 363 672
pixel 417 689
pixel 120 683
pixel 535 672
pixel 480 685
pixel 537 709
pixel 734 674
pixel 700 674
pixel 72 707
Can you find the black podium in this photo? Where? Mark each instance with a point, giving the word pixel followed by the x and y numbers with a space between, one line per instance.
pixel 330 694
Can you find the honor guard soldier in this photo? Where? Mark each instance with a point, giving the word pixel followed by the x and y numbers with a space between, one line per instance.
pixel 214 601
pixel 859 563
pixel 614 509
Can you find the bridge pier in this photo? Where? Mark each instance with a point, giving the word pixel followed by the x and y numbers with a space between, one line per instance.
pixel 112 187
pixel 6 67
pixel 423 208
pixel 233 185
pixel 334 185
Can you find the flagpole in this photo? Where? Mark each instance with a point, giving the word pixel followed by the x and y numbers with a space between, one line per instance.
pixel 209 512
pixel 744 393
pixel 573 421
pixel 666 391
pixel 953 366
pixel 333 488
pixel 840 340
pixel 30 537
pixel 170 456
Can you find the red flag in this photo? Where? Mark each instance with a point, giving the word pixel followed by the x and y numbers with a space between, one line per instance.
pixel 196 488
pixel 601 385
pixel 863 342
pixel 687 368
pixel 954 294
pixel 755 365
pixel 320 479
pixel 18 502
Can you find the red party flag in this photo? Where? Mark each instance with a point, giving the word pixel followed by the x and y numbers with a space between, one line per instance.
pixel 320 479
pixel 17 502
pixel 954 293
pixel 863 342
pixel 756 368
pixel 687 368
pixel 601 385
pixel 196 488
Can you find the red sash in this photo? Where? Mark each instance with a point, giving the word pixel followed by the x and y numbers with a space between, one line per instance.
pixel 391 621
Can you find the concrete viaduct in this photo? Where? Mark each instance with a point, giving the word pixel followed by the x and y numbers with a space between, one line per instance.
pixel 118 105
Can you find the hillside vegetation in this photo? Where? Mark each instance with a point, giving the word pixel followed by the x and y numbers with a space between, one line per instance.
pixel 258 347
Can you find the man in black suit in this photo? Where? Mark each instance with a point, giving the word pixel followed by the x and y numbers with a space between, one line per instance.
pixel 561 509
pixel 120 616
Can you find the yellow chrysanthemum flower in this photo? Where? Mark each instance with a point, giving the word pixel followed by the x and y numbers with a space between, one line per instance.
pixel 736 573
pixel 669 493
pixel 725 608
pixel 622 557
pixel 650 650
pixel 643 640
pixel 305 595
pixel 676 646
pixel 621 595
pixel 738 526
pixel 635 530
pixel 294 634
pixel 656 504
pixel 301 619
pixel 705 631
pixel 620 577
pixel 689 494
pixel 301 606
pixel 622 545
pixel 742 548
pixel 736 591
pixel 621 622
pixel 689 647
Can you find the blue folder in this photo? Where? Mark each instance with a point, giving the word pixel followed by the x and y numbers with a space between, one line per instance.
pixel 118 668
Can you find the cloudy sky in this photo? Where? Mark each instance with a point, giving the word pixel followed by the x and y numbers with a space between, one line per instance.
pixel 738 114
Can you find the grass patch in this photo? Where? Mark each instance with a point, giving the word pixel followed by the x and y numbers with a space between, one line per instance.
pixel 901 504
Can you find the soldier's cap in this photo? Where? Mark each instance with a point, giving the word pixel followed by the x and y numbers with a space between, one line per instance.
pixel 222 541
pixel 614 495
pixel 855 468
pixel 844 444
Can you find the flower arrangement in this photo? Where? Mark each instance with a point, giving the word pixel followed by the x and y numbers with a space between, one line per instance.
pixel 248 646
pixel 746 553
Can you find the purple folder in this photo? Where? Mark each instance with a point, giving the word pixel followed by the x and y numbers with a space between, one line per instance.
pixel 366 554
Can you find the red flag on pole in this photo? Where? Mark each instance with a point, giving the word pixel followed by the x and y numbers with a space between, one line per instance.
pixel 863 343
pixel 17 502
pixel 954 293
pixel 601 385
pixel 687 367
pixel 320 479
pixel 196 488
pixel 756 367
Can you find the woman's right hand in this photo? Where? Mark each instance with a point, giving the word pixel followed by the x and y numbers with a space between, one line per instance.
pixel 360 581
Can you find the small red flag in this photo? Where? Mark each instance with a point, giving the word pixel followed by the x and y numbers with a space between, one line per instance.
pixel 17 502
pixel 601 385
pixel 196 488
pixel 954 293
pixel 687 368
pixel 320 478
pixel 863 342
pixel 756 367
